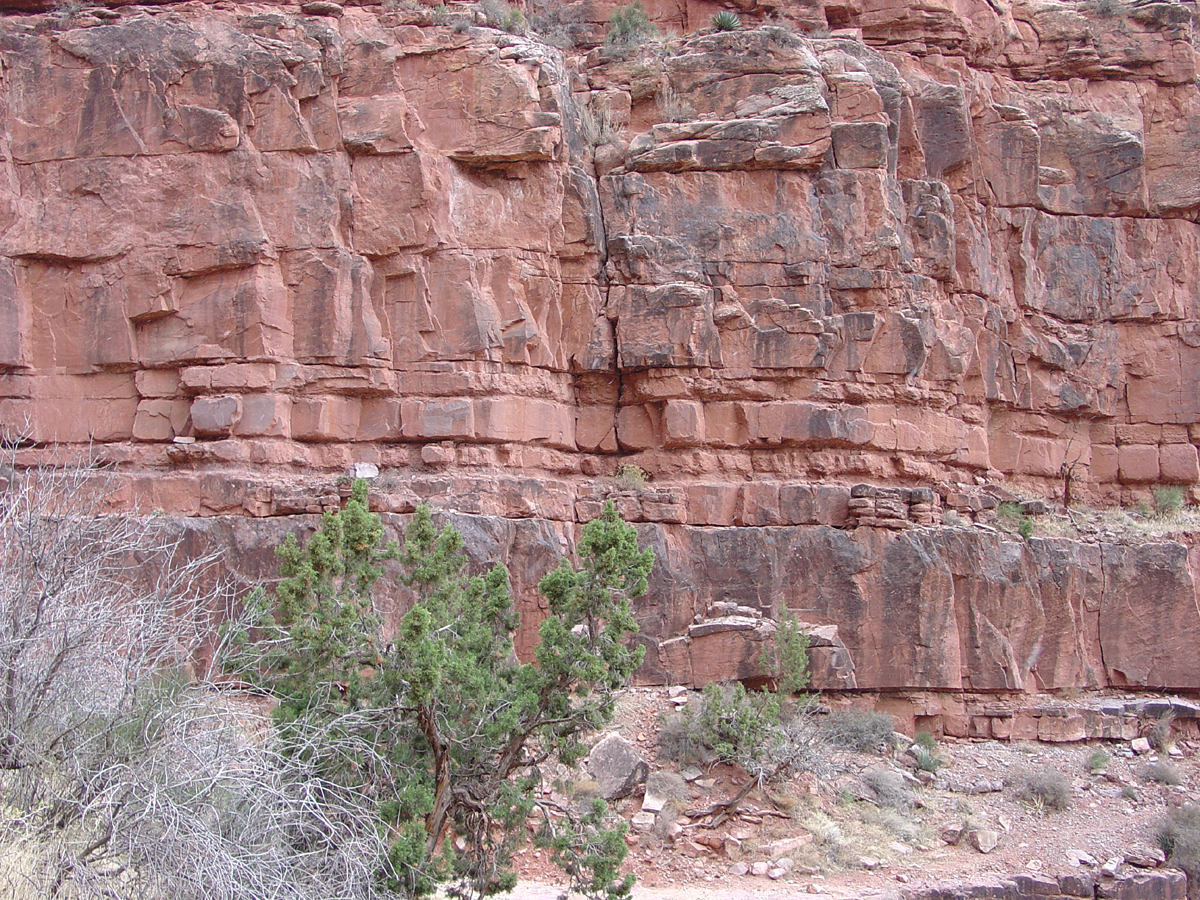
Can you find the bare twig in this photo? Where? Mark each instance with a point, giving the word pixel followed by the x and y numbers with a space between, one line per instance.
pixel 124 774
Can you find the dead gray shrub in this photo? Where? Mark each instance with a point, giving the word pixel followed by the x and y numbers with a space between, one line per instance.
pixel 124 773
pixel 671 105
pixel 890 789
pixel 598 127
pixel 1160 772
pixel 1179 838
pixel 861 730
pixel 1044 790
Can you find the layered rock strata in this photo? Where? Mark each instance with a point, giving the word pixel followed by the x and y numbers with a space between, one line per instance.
pixel 810 283
pixel 1130 884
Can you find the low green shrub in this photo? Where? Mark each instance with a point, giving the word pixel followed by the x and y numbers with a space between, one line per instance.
pixel 1168 499
pixel 1010 517
pixel 630 25
pixel 925 740
pixel 1098 759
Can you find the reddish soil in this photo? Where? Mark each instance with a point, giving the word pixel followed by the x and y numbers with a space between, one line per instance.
pixel 862 846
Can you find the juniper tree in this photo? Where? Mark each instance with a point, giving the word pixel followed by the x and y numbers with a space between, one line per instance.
pixel 443 725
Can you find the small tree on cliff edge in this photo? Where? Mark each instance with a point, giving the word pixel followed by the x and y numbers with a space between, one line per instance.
pixel 444 727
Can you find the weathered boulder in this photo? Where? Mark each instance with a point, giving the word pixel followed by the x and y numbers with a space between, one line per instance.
pixel 617 767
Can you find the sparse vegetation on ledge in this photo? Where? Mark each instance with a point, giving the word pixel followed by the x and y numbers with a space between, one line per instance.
pixel 1118 523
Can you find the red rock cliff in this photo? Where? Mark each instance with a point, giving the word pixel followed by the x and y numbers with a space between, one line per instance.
pixel 942 245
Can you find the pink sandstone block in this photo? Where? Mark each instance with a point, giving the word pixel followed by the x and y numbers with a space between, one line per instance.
pixel 1138 463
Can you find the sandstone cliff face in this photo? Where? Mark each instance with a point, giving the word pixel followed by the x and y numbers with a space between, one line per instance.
pixel 940 246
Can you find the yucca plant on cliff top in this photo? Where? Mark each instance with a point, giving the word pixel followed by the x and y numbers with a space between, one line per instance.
pixel 726 21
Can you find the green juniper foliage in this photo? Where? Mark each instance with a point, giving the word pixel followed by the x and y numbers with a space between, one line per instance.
pixel 589 849
pixel 324 633
pixel 766 733
pixel 443 725
pixel 786 658
pixel 742 727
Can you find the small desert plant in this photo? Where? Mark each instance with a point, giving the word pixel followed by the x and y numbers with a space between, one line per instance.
pixel 671 106
pixel 557 24
pixel 1098 759
pixel 924 751
pixel 726 21
pixel 1045 790
pixel 1160 773
pixel 65 9
pixel 514 22
pixel 771 736
pixel 896 824
pixel 1179 838
pixel 499 14
pixel 927 760
pixel 631 477
pixel 1168 500
pixel 597 126
pixel 1162 735
pixel 864 731
pixel 1129 792
pixel 1008 511
pixel 889 788
pixel 780 33
pixel 677 739
pixel 669 786
pixel 1010 517
pixel 630 25
pixel 733 723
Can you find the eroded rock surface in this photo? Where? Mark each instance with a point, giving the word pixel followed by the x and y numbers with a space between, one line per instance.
pixel 819 280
